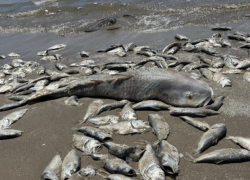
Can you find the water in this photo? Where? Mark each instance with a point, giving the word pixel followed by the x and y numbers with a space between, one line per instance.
pixel 69 17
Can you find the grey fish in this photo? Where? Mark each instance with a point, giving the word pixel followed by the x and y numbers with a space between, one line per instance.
pixel 42 53
pixel 56 47
pixel 211 137
pixel 231 61
pixel 12 54
pixel 168 86
pixel 70 165
pixel 109 119
pixel 95 133
pixel 86 144
pixel 193 112
pixel 61 66
pixel 41 70
pixel 84 54
pixel 243 142
pixel 119 150
pixel 72 101
pixel 126 127
pixel 118 51
pixel 128 47
pixel 207 73
pixel 170 46
pixel 228 155
pixel 151 104
pixel 232 71
pixel 128 113
pixel 246 76
pixel 221 28
pixel 222 79
pixel 180 37
pixel 92 109
pixel 118 166
pixel 195 123
pixel 160 127
pixel 52 169
pixel 114 105
pixel 141 48
pixel 83 173
pixel 97 156
pixel 149 165
pixel 11 118
pixel 236 37
pixel 168 156
pixel 9 133
pixel 48 58
pixel 243 64
pixel 218 102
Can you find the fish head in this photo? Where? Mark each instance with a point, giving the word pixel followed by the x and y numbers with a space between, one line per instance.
pixel 193 93
pixel 169 164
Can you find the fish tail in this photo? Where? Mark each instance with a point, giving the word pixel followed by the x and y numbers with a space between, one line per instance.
pixel 191 158
pixel 13 105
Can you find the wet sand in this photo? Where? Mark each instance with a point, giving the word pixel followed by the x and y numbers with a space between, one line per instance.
pixel 48 125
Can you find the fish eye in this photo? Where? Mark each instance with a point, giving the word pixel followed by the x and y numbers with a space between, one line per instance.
pixel 189 96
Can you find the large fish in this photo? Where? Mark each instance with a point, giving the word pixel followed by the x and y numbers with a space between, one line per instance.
pixel 168 86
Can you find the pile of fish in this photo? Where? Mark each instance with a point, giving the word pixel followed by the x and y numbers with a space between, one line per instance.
pixel 175 84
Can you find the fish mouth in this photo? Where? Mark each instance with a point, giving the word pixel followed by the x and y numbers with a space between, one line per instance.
pixel 208 99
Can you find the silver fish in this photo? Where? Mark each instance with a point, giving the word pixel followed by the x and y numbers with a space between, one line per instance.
pixel 70 165
pixel 128 47
pixel 109 119
pixel 9 133
pixel 52 169
pixel 114 105
pixel 151 104
pixel 72 101
pixel 160 127
pixel 168 156
pixel 118 51
pixel 83 173
pixel 128 113
pixel 197 124
pixel 11 118
pixel 119 150
pixel 86 144
pixel 193 112
pixel 207 73
pixel 243 64
pixel 218 102
pixel 92 109
pixel 13 55
pixel 61 66
pixel 48 58
pixel 149 165
pixel 95 133
pixel 180 37
pixel 211 137
pixel 243 142
pixel 228 155
pixel 56 47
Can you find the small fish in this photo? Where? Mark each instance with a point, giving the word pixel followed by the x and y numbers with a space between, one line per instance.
pixel 13 55
pixel 141 48
pixel 168 156
pixel 180 37
pixel 126 127
pixel 42 53
pixel 218 102
pixel 128 113
pixel 221 28
pixel 149 165
pixel 193 112
pixel 195 123
pixel 128 47
pixel 119 150
pixel 11 118
pixel 52 169
pixel 72 101
pixel 5 88
pixel 86 144
pixel 114 105
pixel 222 79
pixel 211 137
pixel 160 127
pixel 87 172
pixel 243 142
pixel 118 51
pixel 97 156
pixel 9 133
pixel 118 166
pixel 92 109
pixel 151 104
pixel 228 155
pixel 70 165
pixel 61 66
pixel 48 58
pixel 41 70
pixel 207 73
pixel 246 76
pixel 170 46
pixel 232 71
pixel 84 54
pixel 109 119
pixel 95 133
pixel 56 47
pixel 243 64
pixel 218 64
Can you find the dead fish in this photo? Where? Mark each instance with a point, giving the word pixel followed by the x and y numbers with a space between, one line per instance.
pixel 145 53
pixel 168 156
pixel 2 56
pixel 246 76
pixel 243 64
pixel 42 53
pixel 97 156
pixel 70 164
pixel 86 144
pixel 72 101
pixel 214 70
pixel 141 48
pixel 109 119
pixel 160 127
pixel 7 67
pixel 180 37
pixel 48 58
pixel 151 104
pixel 119 150
pixel 118 166
pixel 126 127
pixel 128 113
pixel 218 102
pixel 41 70
pixel 52 169
pixel 218 64
pixel 222 79
pixel 2 75
pixel 13 55
pixel 128 47
pixel 231 61
pixel 11 118
pixel 84 54
pixel 193 112
pixel 232 71
pixel 221 28
pixel 56 47
pixel 9 133
pixel 228 155
pixel 114 105
pixel 170 46
pixel 195 123
pixel 243 142
pixel 149 165
pixel 95 133
pixel 92 109
pixel 61 66
pixel 211 137
pixel 5 88
pixel 246 46
pixel 236 37
pixel 84 173
pixel 207 73
pixel 118 51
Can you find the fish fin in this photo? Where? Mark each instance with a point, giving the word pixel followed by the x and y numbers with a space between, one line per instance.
pixel 219 162
pixel 191 157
